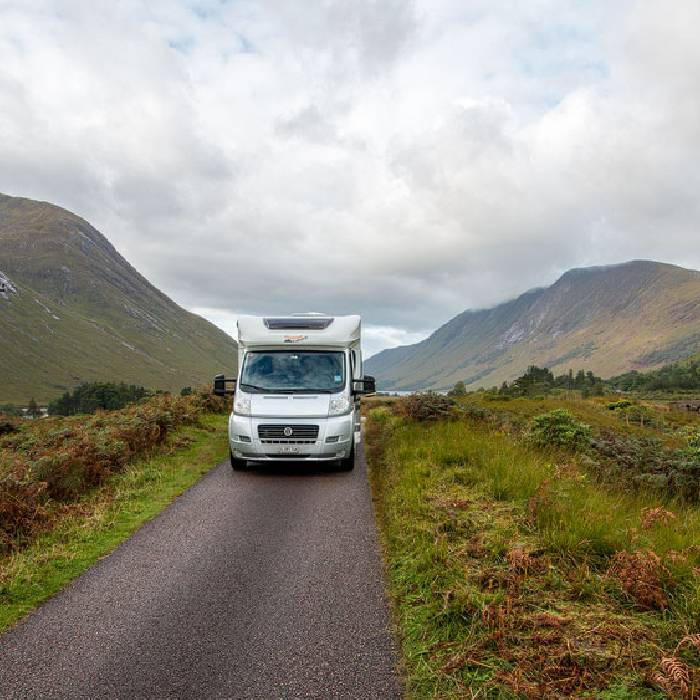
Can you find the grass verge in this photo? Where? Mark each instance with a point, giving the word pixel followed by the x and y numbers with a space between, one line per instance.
pixel 514 576
pixel 107 516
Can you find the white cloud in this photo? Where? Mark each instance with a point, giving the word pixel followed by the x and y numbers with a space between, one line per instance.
pixel 402 160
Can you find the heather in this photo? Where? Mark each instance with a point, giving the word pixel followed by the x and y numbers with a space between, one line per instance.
pixel 48 465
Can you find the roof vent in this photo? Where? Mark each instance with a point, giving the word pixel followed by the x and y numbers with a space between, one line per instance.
pixel 299 323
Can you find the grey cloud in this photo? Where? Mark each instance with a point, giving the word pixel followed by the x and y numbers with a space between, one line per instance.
pixel 403 161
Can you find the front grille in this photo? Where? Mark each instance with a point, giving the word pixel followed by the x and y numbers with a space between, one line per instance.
pixel 288 442
pixel 299 433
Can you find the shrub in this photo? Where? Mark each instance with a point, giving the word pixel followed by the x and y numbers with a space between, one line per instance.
pixel 644 461
pixel 458 389
pixel 7 425
pixel 475 412
pixel 59 459
pixel 423 407
pixel 632 412
pixel 559 428
pixel 618 405
pixel 691 437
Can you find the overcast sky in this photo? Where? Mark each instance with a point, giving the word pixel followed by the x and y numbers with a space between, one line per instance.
pixel 402 160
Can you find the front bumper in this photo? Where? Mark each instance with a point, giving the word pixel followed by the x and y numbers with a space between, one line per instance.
pixel 317 450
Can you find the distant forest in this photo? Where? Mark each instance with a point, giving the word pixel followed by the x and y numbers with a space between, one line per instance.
pixel 679 376
pixel 88 398
pixel 540 380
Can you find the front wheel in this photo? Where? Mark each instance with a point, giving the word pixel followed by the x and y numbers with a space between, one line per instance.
pixel 347 464
pixel 238 465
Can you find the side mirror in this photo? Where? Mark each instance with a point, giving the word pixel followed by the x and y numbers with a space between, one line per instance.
pixel 367 385
pixel 220 383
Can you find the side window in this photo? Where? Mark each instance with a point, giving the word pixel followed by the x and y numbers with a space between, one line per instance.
pixel 353 363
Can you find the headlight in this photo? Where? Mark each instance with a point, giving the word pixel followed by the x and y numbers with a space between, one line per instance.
pixel 339 405
pixel 241 404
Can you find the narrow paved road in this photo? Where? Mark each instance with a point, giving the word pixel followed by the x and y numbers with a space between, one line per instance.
pixel 262 584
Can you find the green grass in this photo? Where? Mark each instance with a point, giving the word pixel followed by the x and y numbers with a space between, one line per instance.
pixel 460 504
pixel 108 516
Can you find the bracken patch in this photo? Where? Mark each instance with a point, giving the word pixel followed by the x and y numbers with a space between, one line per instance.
pixel 643 576
pixel 52 462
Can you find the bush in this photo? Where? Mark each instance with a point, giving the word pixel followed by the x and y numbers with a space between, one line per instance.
pixel 559 428
pixel 60 459
pixel 9 409
pixel 691 437
pixel 632 412
pixel 475 412
pixel 644 461
pixel 458 389
pixel 423 407
pixel 618 405
pixel 7 425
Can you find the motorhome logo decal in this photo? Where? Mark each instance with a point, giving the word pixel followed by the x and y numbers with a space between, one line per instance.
pixel 295 338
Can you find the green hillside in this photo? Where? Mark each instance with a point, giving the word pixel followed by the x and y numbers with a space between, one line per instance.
pixel 73 310
pixel 638 315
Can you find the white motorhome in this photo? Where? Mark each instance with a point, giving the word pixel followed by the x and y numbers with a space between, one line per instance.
pixel 297 394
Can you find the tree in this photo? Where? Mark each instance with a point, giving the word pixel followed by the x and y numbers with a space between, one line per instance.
pixel 88 398
pixel 33 410
pixel 458 389
pixel 186 391
pixel 9 409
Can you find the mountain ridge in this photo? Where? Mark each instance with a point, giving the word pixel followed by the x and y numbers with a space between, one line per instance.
pixel 78 311
pixel 582 319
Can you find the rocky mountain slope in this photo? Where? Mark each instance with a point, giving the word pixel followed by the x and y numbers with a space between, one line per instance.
pixel 637 315
pixel 72 310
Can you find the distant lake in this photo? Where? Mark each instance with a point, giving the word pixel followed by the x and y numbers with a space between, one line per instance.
pixel 443 392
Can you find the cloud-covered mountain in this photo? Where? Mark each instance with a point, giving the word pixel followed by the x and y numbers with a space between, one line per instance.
pixel 72 309
pixel 637 315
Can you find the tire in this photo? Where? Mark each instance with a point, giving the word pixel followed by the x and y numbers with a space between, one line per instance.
pixel 238 465
pixel 347 464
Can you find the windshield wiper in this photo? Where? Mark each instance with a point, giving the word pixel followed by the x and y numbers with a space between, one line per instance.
pixel 299 390
pixel 254 387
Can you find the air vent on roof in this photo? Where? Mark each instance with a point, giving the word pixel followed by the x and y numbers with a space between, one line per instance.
pixel 298 324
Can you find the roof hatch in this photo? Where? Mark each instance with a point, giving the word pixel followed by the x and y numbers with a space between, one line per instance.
pixel 298 323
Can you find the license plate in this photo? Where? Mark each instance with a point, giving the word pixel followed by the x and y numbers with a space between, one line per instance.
pixel 289 449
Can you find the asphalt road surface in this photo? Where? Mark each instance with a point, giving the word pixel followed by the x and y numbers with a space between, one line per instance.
pixel 260 584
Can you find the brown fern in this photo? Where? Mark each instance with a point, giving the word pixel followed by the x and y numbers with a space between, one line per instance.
pixel 691 639
pixel 643 576
pixel 676 672
pixel 651 516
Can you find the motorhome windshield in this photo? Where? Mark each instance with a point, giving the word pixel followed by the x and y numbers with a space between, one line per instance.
pixel 276 372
